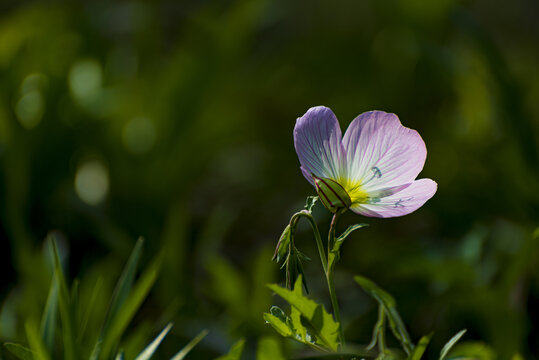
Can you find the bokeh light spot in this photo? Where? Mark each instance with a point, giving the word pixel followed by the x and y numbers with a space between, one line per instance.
pixel 34 81
pixel 139 135
pixel 30 108
pixel 85 80
pixel 92 182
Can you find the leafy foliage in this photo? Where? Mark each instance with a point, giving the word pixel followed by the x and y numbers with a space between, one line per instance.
pixel 127 298
pixel 308 321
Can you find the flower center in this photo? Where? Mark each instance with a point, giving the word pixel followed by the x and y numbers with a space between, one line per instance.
pixel 354 190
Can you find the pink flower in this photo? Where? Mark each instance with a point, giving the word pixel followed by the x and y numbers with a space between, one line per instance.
pixel 375 164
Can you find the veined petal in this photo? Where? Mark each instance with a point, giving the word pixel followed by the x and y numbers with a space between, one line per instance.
pixel 318 143
pixel 399 203
pixel 381 153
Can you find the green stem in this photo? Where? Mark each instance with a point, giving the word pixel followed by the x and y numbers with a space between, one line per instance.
pixel 382 330
pixel 329 278
pixel 324 259
pixel 318 238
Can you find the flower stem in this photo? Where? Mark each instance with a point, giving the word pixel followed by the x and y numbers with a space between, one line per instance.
pixel 329 277
pixel 318 238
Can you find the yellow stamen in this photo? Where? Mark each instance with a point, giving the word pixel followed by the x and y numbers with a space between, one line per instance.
pixel 354 190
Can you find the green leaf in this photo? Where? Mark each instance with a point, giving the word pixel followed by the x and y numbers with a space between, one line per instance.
pixel 235 351
pixel 125 283
pixel 21 352
pixel 477 350
pixel 291 326
pixel 299 272
pixel 388 355
pixel 419 350
pixel 269 348
pixel 121 291
pixel 147 353
pixel 48 321
pixel 283 245
pixel 344 235
pixel 187 348
pixel 339 357
pixel 447 347
pixel 88 310
pixel 335 253
pixel 321 323
pixel 66 309
pixel 388 302
pixel 299 329
pixel 378 330
pixel 35 342
pixel 120 356
pixel 279 321
pixel 136 339
pixel 311 201
pixel 375 291
pixel 126 313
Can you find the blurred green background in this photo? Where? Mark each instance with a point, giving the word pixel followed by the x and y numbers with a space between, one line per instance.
pixel 173 121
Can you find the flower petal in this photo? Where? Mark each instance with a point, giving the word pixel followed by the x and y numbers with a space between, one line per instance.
pixel 381 152
pixel 318 143
pixel 400 203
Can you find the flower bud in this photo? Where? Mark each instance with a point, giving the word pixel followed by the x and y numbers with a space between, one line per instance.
pixel 332 194
pixel 282 246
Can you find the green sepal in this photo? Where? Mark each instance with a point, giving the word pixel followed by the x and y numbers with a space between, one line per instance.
pixel 332 194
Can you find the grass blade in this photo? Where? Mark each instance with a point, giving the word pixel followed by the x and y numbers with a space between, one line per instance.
pixel 187 348
pixel 447 347
pixel 125 283
pixel 419 350
pixel 66 311
pixel 50 315
pixel 89 309
pixel 121 291
pixel 36 343
pixel 131 305
pixel 147 353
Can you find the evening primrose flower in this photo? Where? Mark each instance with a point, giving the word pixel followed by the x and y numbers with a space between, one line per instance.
pixel 372 170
